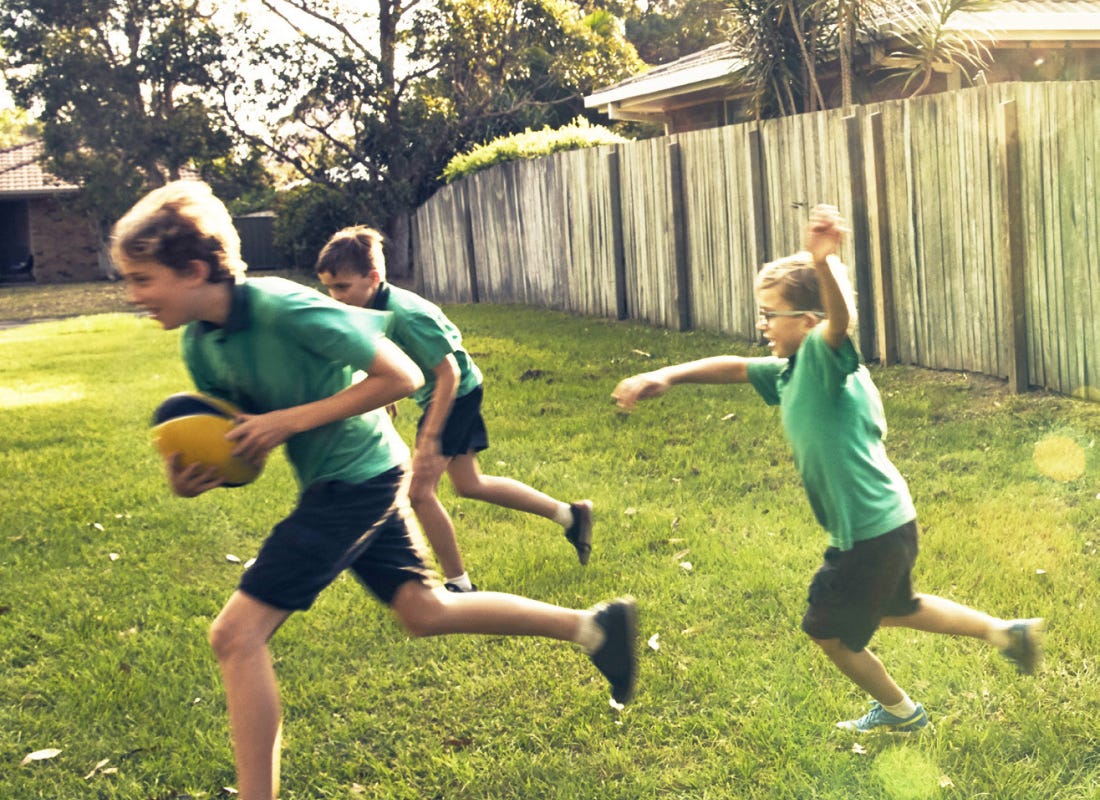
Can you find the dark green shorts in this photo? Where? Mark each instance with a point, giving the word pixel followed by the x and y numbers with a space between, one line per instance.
pixel 365 527
pixel 854 589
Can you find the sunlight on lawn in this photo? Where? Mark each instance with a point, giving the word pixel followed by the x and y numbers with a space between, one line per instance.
pixel 908 774
pixel 1059 458
pixel 39 395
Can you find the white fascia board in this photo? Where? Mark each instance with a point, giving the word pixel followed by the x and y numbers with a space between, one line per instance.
pixel 679 81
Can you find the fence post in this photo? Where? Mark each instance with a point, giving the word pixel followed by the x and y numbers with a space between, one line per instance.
pixel 861 235
pixel 468 225
pixel 758 202
pixel 618 252
pixel 679 237
pixel 878 215
pixel 1016 277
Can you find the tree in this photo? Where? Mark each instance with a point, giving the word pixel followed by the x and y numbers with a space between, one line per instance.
pixel 786 45
pixel 17 127
pixel 375 103
pixel 119 88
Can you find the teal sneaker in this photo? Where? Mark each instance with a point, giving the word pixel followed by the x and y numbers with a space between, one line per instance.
pixel 879 717
pixel 1023 649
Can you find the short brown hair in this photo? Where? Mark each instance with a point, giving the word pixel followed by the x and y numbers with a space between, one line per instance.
pixel 358 249
pixel 179 223
pixel 796 279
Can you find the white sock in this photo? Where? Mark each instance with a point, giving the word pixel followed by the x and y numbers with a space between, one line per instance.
pixel 589 636
pixel 903 709
pixel 564 515
pixel 462 582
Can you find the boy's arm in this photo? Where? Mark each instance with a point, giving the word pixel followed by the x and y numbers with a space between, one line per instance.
pixel 427 461
pixel 390 376
pixel 717 369
pixel 824 233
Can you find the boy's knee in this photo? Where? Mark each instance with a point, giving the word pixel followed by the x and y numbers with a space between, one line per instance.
pixel 228 640
pixel 419 610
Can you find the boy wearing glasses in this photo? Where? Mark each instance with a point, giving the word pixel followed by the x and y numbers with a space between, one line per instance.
pixel 833 418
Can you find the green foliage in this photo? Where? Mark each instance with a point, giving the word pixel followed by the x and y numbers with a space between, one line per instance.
pixel 120 87
pixel 307 215
pixel 529 144
pixel 17 127
pixel 105 657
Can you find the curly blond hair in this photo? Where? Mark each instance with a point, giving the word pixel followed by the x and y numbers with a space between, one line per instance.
pixel 176 224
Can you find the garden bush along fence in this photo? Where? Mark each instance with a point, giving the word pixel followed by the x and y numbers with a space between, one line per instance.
pixel 975 228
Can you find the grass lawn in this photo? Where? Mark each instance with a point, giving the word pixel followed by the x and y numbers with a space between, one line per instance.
pixel 108 584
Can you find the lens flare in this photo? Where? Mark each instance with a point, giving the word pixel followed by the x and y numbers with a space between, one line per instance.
pixel 1059 458
pixel 907 774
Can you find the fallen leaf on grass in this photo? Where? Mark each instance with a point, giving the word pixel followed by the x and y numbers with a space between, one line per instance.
pixel 653 643
pixel 686 566
pixel 98 526
pixel 39 755
pixel 946 782
pixel 97 768
pixel 642 353
pixel 614 704
pixel 729 417
pixel 113 556
pixel 232 559
pixel 680 555
pixel 859 749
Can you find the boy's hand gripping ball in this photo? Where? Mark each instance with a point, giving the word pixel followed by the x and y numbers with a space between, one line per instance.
pixel 194 425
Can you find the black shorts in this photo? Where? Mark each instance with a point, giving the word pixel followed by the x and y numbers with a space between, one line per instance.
pixel 465 429
pixel 365 527
pixel 854 589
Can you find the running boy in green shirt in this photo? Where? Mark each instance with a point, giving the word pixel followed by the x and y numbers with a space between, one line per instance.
pixel 286 356
pixel 832 416
pixel 451 432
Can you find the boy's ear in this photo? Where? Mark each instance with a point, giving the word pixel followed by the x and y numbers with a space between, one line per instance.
pixel 198 270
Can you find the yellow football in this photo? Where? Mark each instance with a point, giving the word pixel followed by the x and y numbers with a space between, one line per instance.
pixel 194 425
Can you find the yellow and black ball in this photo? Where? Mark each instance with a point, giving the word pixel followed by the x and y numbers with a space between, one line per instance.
pixel 194 425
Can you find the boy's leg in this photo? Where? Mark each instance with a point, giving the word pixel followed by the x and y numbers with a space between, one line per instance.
pixel 1018 640
pixel 239 638
pixel 607 633
pixel 864 669
pixel 575 518
pixel 436 523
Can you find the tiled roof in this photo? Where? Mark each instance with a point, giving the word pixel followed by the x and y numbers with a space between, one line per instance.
pixel 22 175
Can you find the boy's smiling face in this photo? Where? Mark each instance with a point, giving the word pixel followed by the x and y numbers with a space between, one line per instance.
pixel 786 330
pixel 159 290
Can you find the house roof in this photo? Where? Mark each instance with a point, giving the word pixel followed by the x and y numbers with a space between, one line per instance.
pixel 22 174
pixel 1009 23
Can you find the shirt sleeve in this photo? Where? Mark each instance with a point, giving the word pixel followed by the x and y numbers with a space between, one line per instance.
pixel 764 376
pixel 426 339
pixel 831 367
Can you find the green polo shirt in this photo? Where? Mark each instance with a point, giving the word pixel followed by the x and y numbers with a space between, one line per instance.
pixel 833 418
pixel 420 328
pixel 284 345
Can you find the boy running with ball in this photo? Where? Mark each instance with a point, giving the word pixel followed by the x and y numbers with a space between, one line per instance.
pixel 286 355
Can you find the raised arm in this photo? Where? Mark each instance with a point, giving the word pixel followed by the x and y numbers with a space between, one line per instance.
pixel 717 369
pixel 823 236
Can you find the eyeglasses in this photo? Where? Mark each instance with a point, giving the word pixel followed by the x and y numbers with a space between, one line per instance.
pixel 768 316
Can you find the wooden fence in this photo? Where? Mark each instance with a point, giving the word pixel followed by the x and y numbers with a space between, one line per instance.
pixel 975 228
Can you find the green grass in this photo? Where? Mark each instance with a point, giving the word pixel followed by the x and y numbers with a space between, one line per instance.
pixel 104 656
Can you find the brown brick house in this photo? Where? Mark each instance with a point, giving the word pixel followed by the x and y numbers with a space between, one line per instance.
pixel 43 237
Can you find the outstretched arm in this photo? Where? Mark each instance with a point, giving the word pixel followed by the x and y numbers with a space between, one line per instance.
pixel 823 236
pixel 717 369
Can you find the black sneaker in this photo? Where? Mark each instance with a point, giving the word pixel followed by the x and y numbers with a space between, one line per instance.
pixel 579 533
pixel 1024 641
pixel 617 657
pixel 454 587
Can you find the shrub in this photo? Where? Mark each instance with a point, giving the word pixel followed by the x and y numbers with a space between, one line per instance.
pixel 529 144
